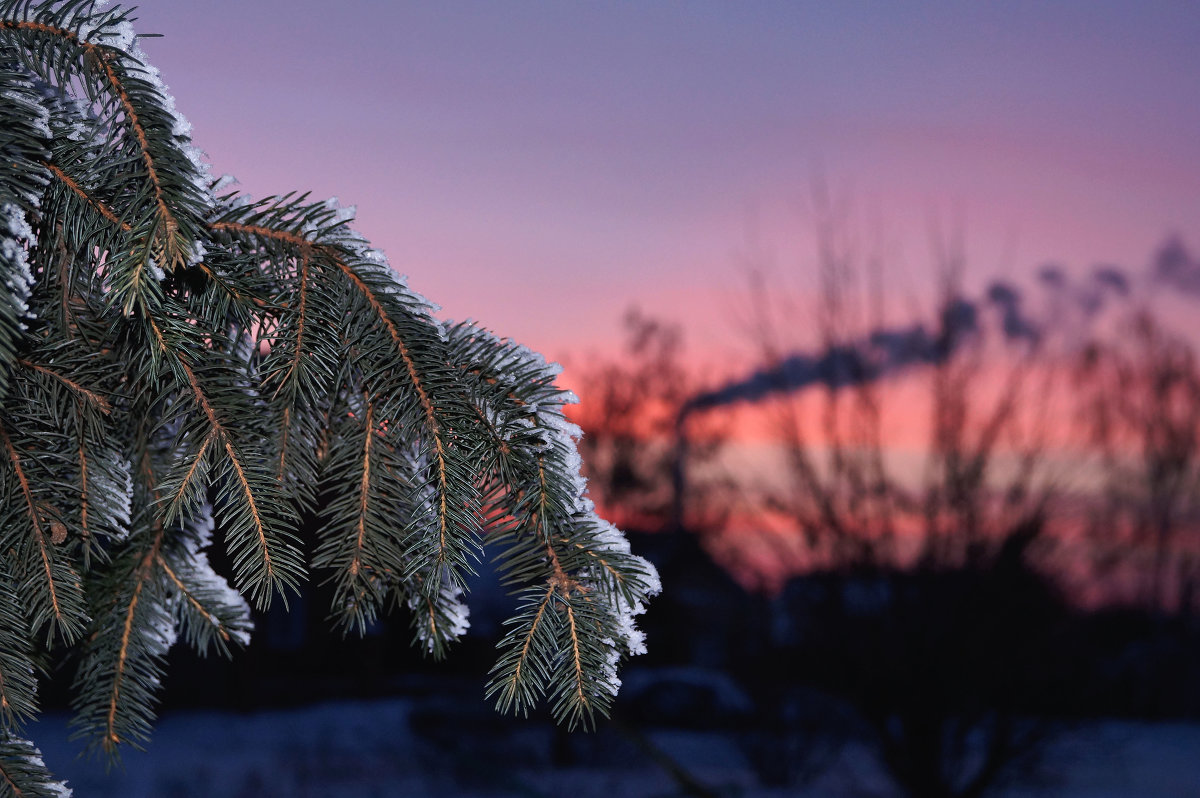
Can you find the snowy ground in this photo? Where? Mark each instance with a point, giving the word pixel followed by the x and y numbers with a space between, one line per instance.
pixel 393 748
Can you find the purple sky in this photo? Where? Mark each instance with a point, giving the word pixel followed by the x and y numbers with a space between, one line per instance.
pixel 540 167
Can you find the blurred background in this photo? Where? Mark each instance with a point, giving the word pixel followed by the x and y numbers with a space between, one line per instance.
pixel 884 323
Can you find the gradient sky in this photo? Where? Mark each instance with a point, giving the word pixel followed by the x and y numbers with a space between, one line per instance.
pixel 542 166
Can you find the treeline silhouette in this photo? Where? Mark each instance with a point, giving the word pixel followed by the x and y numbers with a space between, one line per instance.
pixel 1036 567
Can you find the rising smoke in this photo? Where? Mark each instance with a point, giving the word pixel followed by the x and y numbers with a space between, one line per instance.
pixel 884 352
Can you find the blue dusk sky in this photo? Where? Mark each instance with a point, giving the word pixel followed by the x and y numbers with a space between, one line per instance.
pixel 542 166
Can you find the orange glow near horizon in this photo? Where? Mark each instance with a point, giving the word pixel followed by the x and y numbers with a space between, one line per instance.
pixel 762 548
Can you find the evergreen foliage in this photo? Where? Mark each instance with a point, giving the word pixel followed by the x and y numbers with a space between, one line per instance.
pixel 176 359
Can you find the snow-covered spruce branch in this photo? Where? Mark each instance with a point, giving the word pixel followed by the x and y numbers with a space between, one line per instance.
pixel 177 359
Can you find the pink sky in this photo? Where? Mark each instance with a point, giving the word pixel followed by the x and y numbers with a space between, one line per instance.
pixel 541 167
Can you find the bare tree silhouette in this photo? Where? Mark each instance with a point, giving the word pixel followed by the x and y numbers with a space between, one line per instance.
pixel 1142 411
pixel 920 605
pixel 982 472
pixel 632 438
